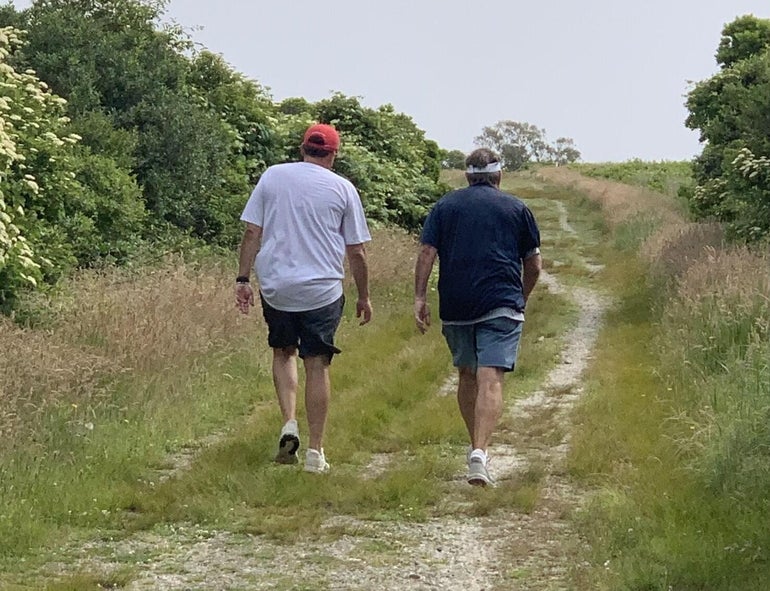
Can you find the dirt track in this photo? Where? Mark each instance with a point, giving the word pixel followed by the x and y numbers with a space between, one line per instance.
pixel 507 550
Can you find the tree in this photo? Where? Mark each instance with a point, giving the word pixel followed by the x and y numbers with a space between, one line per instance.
pixel 395 167
pixel 519 143
pixel 104 54
pixel 516 142
pixel 199 132
pixel 247 111
pixel 60 204
pixel 135 134
pixel 732 113
pixel 453 159
pixel 564 151
pixel 742 38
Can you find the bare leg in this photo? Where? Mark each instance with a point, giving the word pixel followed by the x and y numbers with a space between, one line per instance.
pixel 285 380
pixel 489 405
pixel 317 394
pixel 466 397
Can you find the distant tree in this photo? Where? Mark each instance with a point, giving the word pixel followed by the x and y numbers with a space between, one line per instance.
pixel 563 151
pixel 453 159
pixel 519 143
pixel 732 113
pixel 516 142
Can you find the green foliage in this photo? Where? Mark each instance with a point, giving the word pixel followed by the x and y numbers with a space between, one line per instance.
pixel 244 106
pixel 157 140
pixel 453 159
pixel 295 106
pixel 103 54
pixel 248 113
pixel 387 157
pixel 742 38
pixel 61 205
pixel 182 148
pixel 19 263
pixel 732 113
pixel 110 214
pixel 131 82
pixel 666 177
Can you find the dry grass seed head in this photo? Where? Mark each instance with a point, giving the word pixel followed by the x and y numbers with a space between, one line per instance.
pixel 151 320
pixel 390 255
pixel 619 201
pixel 39 371
pixel 673 249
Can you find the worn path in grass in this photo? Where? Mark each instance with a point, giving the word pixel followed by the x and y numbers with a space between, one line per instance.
pixel 533 548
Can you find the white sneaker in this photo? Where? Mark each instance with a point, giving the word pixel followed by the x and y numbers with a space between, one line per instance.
pixel 316 462
pixel 478 475
pixel 288 444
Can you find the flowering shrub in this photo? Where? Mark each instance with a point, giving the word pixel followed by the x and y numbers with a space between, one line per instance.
pixel 30 118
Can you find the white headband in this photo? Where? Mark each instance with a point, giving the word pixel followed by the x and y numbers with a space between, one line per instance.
pixel 491 167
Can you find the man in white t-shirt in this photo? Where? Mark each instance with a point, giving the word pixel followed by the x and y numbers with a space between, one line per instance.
pixel 302 219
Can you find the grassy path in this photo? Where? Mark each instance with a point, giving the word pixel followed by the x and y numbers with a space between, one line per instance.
pixel 395 513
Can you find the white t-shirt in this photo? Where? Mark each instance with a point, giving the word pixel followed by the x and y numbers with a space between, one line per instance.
pixel 308 214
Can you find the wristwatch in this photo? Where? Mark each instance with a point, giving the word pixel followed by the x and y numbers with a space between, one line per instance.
pixel 242 279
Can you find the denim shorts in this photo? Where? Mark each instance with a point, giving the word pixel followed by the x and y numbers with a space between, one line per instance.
pixel 311 331
pixel 490 343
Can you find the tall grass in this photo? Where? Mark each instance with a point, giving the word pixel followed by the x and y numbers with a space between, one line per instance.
pixel 719 349
pixel 127 368
pixel 673 431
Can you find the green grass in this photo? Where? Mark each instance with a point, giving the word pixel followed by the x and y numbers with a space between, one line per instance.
pixel 661 176
pixel 92 471
pixel 672 434
pixel 83 466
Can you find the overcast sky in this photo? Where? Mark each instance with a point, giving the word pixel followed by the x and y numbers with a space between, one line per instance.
pixel 610 74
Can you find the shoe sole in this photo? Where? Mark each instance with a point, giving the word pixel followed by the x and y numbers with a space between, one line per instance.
pixel 481 481
pixel 287 449
pixel 479 477
pixel 317 470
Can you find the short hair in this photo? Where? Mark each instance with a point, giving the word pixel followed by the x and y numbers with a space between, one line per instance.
pixel 479 159
pixel 315 151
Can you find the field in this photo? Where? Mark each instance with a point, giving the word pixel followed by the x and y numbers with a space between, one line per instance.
pixel 139 424
pixel 665 177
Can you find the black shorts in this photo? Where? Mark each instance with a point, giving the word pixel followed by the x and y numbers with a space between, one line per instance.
pixel 312 331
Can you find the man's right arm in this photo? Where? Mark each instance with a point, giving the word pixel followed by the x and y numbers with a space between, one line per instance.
pixel 252 238
pixel 533 264
pixel 250 243
pixel 422 271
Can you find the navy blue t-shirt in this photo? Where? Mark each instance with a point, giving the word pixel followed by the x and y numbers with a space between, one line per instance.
pixel 481 235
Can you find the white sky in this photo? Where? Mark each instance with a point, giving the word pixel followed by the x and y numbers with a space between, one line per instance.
pixel 610 74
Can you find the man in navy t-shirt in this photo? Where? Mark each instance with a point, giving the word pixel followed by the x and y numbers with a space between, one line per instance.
pixel 488 246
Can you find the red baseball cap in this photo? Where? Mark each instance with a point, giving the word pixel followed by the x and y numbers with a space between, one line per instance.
pixel 322 136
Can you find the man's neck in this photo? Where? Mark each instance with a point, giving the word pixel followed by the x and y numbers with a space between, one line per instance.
pixel 326 161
